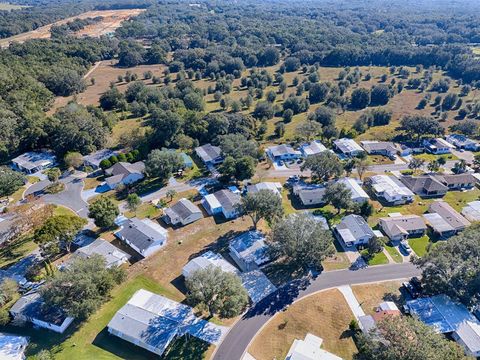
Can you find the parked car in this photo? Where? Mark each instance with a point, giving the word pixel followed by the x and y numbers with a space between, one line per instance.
pixel 405 247
pixel 411 289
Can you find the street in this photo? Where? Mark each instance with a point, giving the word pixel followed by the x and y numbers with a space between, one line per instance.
pixel 242 333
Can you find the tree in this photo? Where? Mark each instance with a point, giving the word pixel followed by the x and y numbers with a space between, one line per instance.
pixel 244 168
pixel 433 166
pixel 323 115
pixel 217 291
pixel 264 204
pixel 301 240
pixel 453 267
pixel 374 246
pixel 291 64
pixel 8 290
pixel 366 209
pixel 318 92
pixel 279 129
pixel 237 145
pixel 406 338
pixel 171 194
pixel 468 127
pixel 287 116
pixel 133 202
pixel 339 196
pixel 308 130
pixel 476 162
pixel 416 163
pixel 360 98
pixel 459 167
pixel 263 110
pixel 103 211
pixel 417 126
pixel 362 165
pixel 380 95
pixel 194 101
pixel 10 181
pixel 323 166
pixel 297 104
pixel 162 164
pixel 73 159
pixel 53 174
pixel 449 101
pixel 82 287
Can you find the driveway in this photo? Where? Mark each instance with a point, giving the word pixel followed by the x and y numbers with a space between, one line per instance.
pixel 468 156
pixel 242 333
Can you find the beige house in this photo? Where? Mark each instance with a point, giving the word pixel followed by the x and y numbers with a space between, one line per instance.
pixel 400 227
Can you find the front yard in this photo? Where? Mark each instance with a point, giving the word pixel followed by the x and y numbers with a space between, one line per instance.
pixel 371 295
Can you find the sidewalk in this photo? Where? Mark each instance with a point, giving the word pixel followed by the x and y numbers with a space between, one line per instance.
pixel 352 301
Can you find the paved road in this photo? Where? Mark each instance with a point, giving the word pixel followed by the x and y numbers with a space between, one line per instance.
pixel 236 342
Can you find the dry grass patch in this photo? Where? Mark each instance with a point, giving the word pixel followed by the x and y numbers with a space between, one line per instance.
pixel 325 314
pixel 370 295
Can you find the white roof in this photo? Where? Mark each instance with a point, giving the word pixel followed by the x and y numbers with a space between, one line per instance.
pixel 315 147
pixel 212 201
pixel 273 186
pixel 31 160
pixel 205 260
pixel 309 349
pixel 472 211
pixel 12 346
pixel 469 333
pixel 346 145
pixel 355 188
pixel 390 186
pixel 388 305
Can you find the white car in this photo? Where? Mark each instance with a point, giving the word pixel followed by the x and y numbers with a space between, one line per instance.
pixel 404 245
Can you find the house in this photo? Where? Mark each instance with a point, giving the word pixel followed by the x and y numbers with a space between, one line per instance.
pixel 152 322
pixel 390 190
pixel 425 186
pixel 446 316
pixel 353 230
pixel 457 181
pixel 276 187
pixel 348 147
pixel 384 148
pixel 32 162
pixel 124 173
pixel 313 148
pixel 400 227
pixel 358 194
pixel 472 211
pixel 94 159
pixel 113 256
pixel 367 323
pixel 249 250
pixel 205 260
pixel 31 308
pixel 437 146
pixel 222 202
pixel 282 153
pixel 182 213
pixel 463 142
pixel 445 220
pixel 12 347
pixel 309 349
pixel 209 154
pixel 309 194
pixel 144 236
pixel 405 150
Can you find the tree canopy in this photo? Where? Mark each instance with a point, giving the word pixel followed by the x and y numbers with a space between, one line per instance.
pixel 263 204
pixel 324 166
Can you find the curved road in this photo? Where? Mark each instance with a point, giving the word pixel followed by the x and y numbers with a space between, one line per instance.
pixel 236 342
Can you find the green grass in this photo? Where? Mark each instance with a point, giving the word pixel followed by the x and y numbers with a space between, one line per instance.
pixel 394 253
pixel 378 259
pixel 62 210
pixel 430 157
pixel 419 245
pixel 459 199
pixel 16 251
pixel 145 210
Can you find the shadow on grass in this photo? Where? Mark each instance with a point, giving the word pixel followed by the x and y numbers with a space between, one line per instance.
pixel 186 348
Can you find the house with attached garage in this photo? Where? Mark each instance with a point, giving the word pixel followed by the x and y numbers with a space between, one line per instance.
pixel 445 220
pixel 367 323
pixel 437 146
pixel 390 189
pixel 282 153
pixel 353 230
pixel 426 186
pixel 348 147
pixel 400 227
pixel 31 308
pixel 223 202
pixel 209 154
pixel 144 236
pixel 385 148
pixel 457 181
pixel 124 173
pixel 249 250
pixel 313 148
pixel 12 347
pixel 113 256
pixel 32 162
pixel 463 142
pixel 183 212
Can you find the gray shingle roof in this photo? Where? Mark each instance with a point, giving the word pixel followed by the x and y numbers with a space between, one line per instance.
pixel 32 306
pixel 208 152
pixel 139 233
pixel 227 199
pixel 183 209
pixel 356 226
pixel 111 253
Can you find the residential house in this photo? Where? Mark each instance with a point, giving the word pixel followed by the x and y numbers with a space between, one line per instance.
pixel 463 142
pixel 152 322
pixel 32 162
pixel 457 181
pixel 385 148
pixel 94 159
pixel 353 230
pixel 124 173
pixel 390 189
pixel 276 187
pixel 309 194
pixel 348 147
pixel 222 202
pixel 358 194
pixel 309 349
pixel 183 212
pixel 367 323
pixel 209 154
pixel 446 316
pixel 437 146
pixel 113 256
pixel 313 148
pixel 249 250
pixel 205 260
pixel 472 211
pixel 144 236
pixel 31 308
pixel 445 220
pixel 12 347
pixel 400 227
pixel 282 153
pixel 425 186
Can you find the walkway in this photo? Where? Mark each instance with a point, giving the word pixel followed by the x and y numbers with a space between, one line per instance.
pixel 352 301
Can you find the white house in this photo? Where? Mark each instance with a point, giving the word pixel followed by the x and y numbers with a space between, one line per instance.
pixel 31 308
pixel 275 187
pixel 205 260
pixel 113 256
pixel 249 250
pixel 282 152
pixel 348 147
pixel 12 347
pixel 144 236
pixel 390 189
pixel 358 194
pixel 463 142
pixel 183 212
pixel 124 173
pixel 437 146
pixel 222 202
pixel 309 349
pixel 313 148
pixel 32 162
pixel 400 227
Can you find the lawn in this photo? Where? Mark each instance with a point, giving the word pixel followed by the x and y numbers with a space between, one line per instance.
pixel 16 251
pixel 338 261
pixel 145 210
pixel 370 295
pixel 62 210
pixel 431 157
pixel 459 199
pixel 419 245
pixel 418 207
pixel 378 259
pixel 392 250
pixel 325 314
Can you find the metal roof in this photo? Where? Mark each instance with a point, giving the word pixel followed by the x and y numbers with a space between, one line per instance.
pixel 205 260
pixel 251 247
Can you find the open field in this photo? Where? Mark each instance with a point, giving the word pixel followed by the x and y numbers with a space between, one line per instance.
pixel 325 314
pixel 112 19
pixel 370 295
